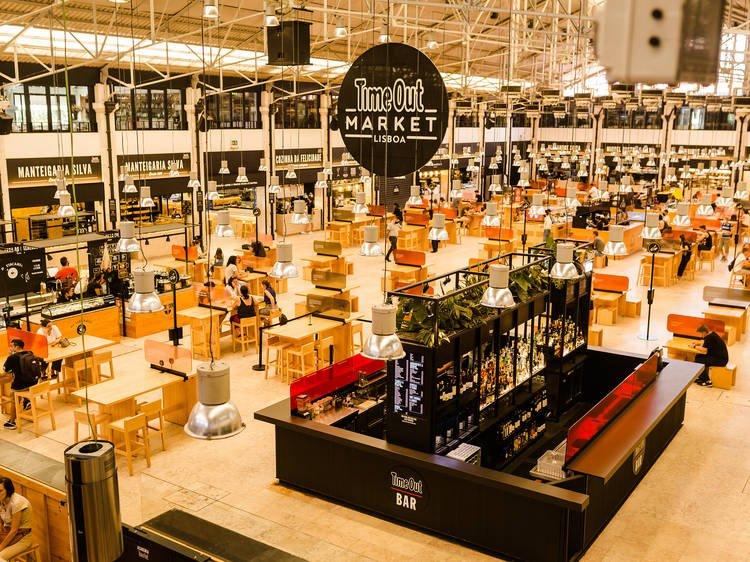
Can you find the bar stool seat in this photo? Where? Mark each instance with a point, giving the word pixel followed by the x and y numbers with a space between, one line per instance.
pixel 31 554
pixel 83 417
pixel 134 433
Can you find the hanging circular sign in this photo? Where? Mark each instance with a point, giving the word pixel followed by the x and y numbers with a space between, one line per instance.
pixel 393 109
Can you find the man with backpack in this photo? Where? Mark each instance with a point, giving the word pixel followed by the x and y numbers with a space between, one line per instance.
pixel 26 369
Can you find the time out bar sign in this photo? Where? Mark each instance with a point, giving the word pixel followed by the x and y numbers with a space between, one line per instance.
pixel 393 109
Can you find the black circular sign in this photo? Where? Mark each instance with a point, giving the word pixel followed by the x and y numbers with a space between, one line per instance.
pixel 393 109
pixel 256 212
pixel 654 248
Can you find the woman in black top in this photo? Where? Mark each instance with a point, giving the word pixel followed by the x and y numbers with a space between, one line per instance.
pixel 246 307
pixel 687 253
pixel 269 295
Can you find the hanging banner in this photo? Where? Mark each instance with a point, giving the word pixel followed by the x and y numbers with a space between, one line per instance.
pixel 393 109
pixel 155 165
pixel 25 172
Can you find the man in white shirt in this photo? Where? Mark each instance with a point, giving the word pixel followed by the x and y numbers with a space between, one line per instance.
pixel 547 225
pixel 741 264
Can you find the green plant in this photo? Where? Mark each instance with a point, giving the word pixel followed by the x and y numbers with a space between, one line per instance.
pixel 526 283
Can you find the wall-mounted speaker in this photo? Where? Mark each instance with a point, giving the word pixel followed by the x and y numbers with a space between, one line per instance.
pixel 288 43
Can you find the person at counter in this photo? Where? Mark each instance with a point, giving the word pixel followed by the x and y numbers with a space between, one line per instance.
pixel 687 253
pixel 246 306
pixel 67 294
pixel 66 274
pixel 597 244
pixel 53 335
pixel 712 352
pixel 15 515
pixel 231 269
pixel 547 228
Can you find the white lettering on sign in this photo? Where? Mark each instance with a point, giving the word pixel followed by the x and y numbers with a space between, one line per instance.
pixel 409 484
pixel 398 97
pixel 48 171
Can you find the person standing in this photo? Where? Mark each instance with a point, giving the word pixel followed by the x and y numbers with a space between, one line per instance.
pixel 597 243
pixel 66 275
pixel 547 234
pixel 725 237
pixel 398 212
pixel 687 253
pixel 394 227
pixel 21 380
pixel 15 516
pixel 712 352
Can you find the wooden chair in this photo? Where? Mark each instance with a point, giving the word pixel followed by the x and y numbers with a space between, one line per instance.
pixel 6 394
pixel 660 273
pixel 40 391
pixel 358 236
pixel 737 279
pixel 98 360
pixel 323 348
pixel 245 332
pixel 358 330
pixel 298 362
pixel 723 377
pixel 70 377
pixel 707 256
pixel 274 344
pixel 154 412
pixel 31 554
pixel 92 417
pixel 133 432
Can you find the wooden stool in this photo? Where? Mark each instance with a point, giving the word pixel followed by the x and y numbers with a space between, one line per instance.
pixel 6 394
pixel 245 332
pixel 98 360
pixel 358 236
pixel 129 429
pixel 274 344
pixel 40 391
pixel 630 305
pixel 154 412
pixel 82 417
pixel 660 274
pixel 31 554
pixel 600 262
pixel 595 335
pixel 298 362
pixel 324 350
pixel 706 256
pixel 723 377
pixel 358 329
pixel 71 376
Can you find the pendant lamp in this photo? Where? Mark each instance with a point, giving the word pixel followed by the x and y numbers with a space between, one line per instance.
pixel 360 208
pixel 537 209
pixel 224 168
pixel 127 242
pixel 571 197
pixel 414 198
pixel 242 175
pixel 283 268
pixel 682 216
pixel 490 218
pixel 383 343
pixel 123 173
pixel 146 201
pixel 262 167
pixel 194 182
pixel 60 188
pixel 322 180
pixel 495 185
pixel 616 245
pixel 212 192
pixel 299 212
pixel 741 194
pixel 651 229
pixel 144 298
pixel 726 200
pixel 370 246
pixel 497 294
pixel 211 9
pixel 214 416
pixel 290 174
pixel 457 190
pixel 129 188
pixel 174 170
pixel 438 232
pixel 705 209
pixel 564 268
pixel 273 187
pixel 365 177
pixel 65 209
pixel 223 228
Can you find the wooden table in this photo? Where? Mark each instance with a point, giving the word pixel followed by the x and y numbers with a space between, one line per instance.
pixel 681 348
pixel 201 320
pixel 342 230
pixel 605 300
pixel 405 274
pixel 117 397
pixel 734 317
pixel 76 349
pixel 413 237
pixel 253 281
pixel 304 330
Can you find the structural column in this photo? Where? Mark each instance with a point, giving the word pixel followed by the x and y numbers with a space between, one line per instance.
pixel 104 127
pixel 261 193
pixel 192 95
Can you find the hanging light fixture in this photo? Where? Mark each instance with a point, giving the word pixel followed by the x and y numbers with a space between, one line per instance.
pixel 490 218
pixel 262 167
pixel 438 232
pixel 270 19
pixel 129 187
pixel 213 416
pixel 370 246
pixel 493 164
pixel 360 208
pixel 223 229
pixel 299 213
pixel 537 210
pixel 651 229
pixel 454 160
pixel 224 168
pixel 431 44
pixel 524 181
pixel 497 294
pixel 383 343
pixel 144 298
pixel 682 216
pixel 328 170
pixel 384 37
pixel 564 268
pixel 341 30
pixel 365 177
pixel 290 174
pixel 322 180
pixel 457 190
pixel 211 9
pixel 174 170
pixel 60 188
pixel 415 199
pixel 65 209
pixel 616 245
pixel 146 199
pixel 194 182
pixel 726 200
pixel 571 197
pixel 123 173
pixel 495 185
pixel 705 209
pixel 242 175
pixel 741 194
pixel 212 192
pixel 283 268
pixel 274 188
pixel 127 242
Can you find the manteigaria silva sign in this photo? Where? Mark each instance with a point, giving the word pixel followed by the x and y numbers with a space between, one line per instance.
pixel 393 109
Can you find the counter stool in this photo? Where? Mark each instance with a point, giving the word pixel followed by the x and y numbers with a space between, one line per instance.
pixel 98 360
pixel 245 332
pixel 40 391
pixel 723 377
pixel 154 412
pixel 358 236
pixel 324 347
pixel 274 344
pixel 31 554
pixel 706 256
pixel 336 236
pixel 70 377
pixel 660 273
pixel 358 330
pixel 298 362
pixel 82 417
pixel 134 433
pixel 6 394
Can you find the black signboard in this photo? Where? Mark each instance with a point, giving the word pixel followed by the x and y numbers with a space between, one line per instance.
pixel 119 261
pixel 393 109
pixel 298 156
pixel 41 171
pixel 155 165
pixel 22 269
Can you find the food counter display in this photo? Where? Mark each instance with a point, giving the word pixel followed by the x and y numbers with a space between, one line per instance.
pixel 100 315
pixel 632 236
pixel 148 323
pixel 285 227
pixel 570 432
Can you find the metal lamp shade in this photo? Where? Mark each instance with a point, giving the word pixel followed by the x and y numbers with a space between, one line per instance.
pixel 682 217
pixel 414 198
pixel 174 170
pixel 495 185
pixel 123 173
pixel 383 343
pixel 65 209
pixel 438 232
pixel 322 180
pixel 127 242
pixel 224 168
pixel 273 187
pixel 741 194
pixel 651 230
pixel 705 209
pixel 571 197
pixel 537 210
pixel 284 268
pixel 299 213
pixel 129 187
pixel 223 230
pixel 214 416
pixel 524 181
pixel 360 208
pixel 497 294
pixel 564 267
pixel 242 174
pixel 457 190
pixel 212 193
pixel 490 215
pixel 194 182
pixel 616 246
pixel 145 298
pixel 290 174
pixel 370 246
pixel 146 200
pixel 726 200
pixel 262 167
pixel 60 188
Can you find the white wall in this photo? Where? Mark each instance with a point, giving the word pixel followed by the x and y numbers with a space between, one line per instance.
pixel 573 135
pixel 49 145
pixel 297 138
pixel 703 138
pixel 221 140
pixel 336 140
pixel 631 136
pixel 467 134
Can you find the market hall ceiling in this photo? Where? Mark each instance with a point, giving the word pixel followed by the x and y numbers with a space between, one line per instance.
pixel 528 41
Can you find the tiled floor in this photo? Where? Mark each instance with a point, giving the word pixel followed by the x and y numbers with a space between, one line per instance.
pixel 693 505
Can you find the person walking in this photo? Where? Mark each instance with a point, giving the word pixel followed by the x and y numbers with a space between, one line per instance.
pixel 394 227
pixel 724 241
pixel 15 517
pixel 546 235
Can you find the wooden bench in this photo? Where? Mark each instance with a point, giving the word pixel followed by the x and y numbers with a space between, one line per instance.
pixel 723 377
pixel 612 296
pixel 409 267
pixel 687 326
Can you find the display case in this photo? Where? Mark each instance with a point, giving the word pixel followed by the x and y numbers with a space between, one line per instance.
pixel 100 315
pixel 55 311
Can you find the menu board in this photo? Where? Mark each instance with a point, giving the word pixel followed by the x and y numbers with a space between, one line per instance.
pixel 120 261
pixel 408 396
pixel 22 269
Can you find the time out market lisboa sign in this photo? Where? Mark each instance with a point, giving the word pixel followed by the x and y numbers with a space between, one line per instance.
pixel 393 109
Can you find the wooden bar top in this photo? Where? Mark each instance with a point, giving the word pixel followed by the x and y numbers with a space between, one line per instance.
pixel 125 387
pixel 613 447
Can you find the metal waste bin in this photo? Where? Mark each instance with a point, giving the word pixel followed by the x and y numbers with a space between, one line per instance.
pixel 93 501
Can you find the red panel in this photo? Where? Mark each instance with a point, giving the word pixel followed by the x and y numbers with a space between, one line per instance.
pixel 330 379
pixel 495 233
pixel 597 418
pixel 31 341
pixel 611 283
pixel 416 219
pixel 687 326
pixel 409 257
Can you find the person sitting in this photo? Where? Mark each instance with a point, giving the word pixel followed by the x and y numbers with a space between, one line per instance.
pixel 707 243
pixel 269 295
pixel 231 270
pixel 232 289
pixel 712 352
pixel 21 379
pixel 15 517
pixel 53 335
pixel 597 244
pixel 66 274
pixel 67 294
pixel 246 306
pixel 687 253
